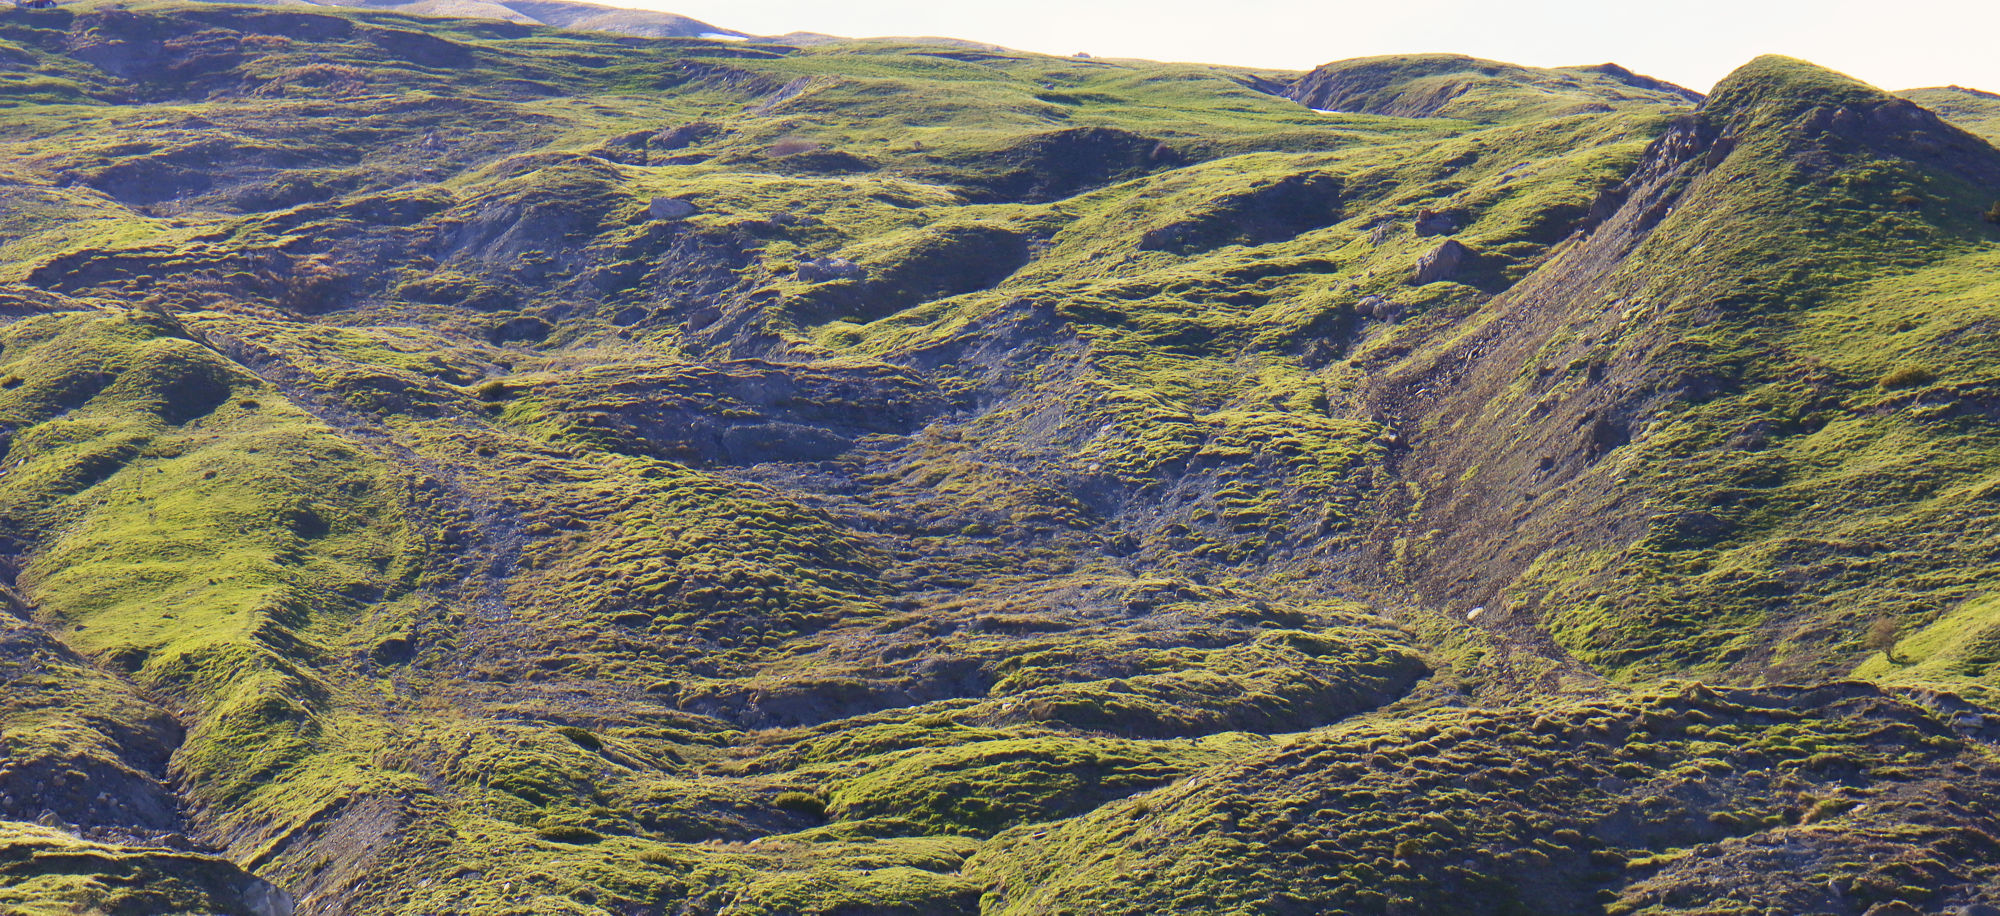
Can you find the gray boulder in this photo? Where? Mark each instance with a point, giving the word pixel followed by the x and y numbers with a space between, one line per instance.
pixel 670 208
pixel 1431 222
pixel 1375 307
pixel 1443 263
pixel 263 898
pixel 822 270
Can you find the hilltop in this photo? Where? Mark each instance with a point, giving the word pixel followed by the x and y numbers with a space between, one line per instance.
pixel 463 465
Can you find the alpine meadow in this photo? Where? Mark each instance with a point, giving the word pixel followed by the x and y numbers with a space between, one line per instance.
pixel 526 458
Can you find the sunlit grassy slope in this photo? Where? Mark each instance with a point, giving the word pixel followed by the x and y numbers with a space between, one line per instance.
pixel 461 466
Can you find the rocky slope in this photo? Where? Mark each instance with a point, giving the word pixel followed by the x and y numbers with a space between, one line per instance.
pixel 461 466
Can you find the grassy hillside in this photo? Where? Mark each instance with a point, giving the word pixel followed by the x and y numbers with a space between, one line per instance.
pixel 1746 445
pixel 454 465
pixel 1971 109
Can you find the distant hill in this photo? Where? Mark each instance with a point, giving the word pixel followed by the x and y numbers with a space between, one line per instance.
pixel 565 14
pixel 1971 109
pixel 1456 86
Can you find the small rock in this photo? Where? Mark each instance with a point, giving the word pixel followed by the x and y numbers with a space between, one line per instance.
pixel 262 898
pixel 1443 263
pixel 1893 908
pixel 1473 614
pixel 1163 238
pixel 821 270
pixel 1377 308
pixel 671 208
pixel 1431 222
pixel 395 650
pixel 681 137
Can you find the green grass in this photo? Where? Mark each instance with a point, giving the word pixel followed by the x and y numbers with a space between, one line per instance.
pixel 1976 111
pixel 52 873
pixel 1464 88
pixel 1477 811
pixel 1821 431
pixel 359 417
pixel 1958 646
pixel 205 538
pixel 987 786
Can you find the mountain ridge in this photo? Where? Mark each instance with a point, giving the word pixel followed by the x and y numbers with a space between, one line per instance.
pixel 1740 108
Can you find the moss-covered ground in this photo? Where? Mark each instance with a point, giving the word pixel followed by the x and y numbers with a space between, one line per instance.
pixel 458 466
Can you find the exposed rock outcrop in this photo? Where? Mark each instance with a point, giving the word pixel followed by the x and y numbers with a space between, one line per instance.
pixel 671 208
pixel 1445 262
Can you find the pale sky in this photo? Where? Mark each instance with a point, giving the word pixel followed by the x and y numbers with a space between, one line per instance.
pixel 1905 44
